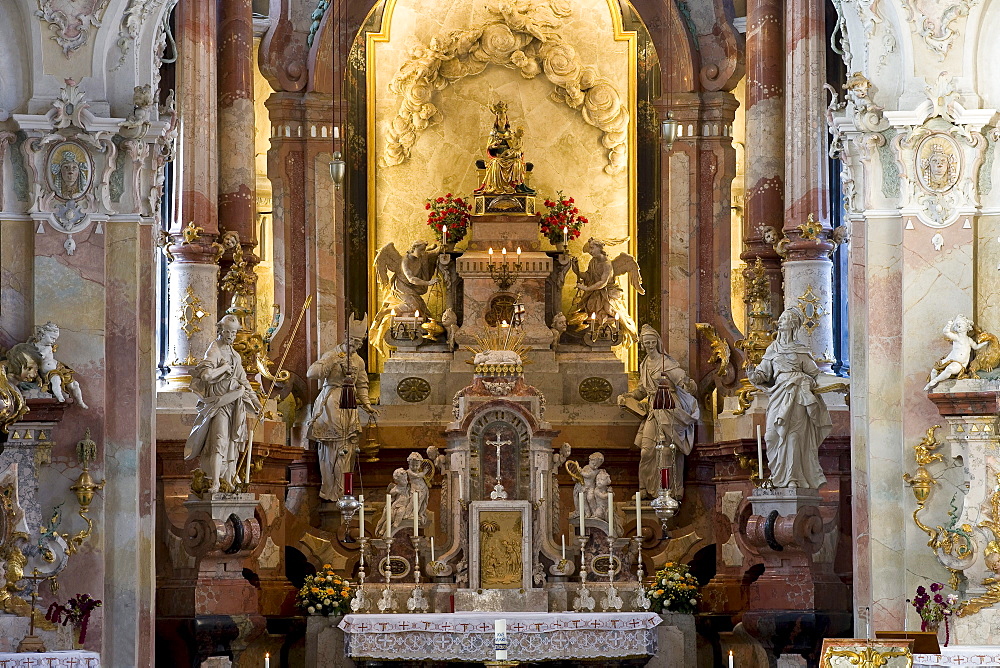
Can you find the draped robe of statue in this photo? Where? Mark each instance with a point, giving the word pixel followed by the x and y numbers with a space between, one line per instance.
pixel 338 430
pixel 797 417
pixel 220 429
pixel 672 425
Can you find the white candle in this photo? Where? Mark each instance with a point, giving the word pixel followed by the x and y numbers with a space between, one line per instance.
pixel 564 547
pixel 760 456
pixel 361 526
pixel 432 549
pixel 503 251
pixel 565 234
pixel 541 485
pixel 611 514
pixel 416 526
pixel 582 513
pixel 267 660
pixel 500 638
pixel 730 658
pixel 388 515
pixel 444 233
pixel 638 515
pixel 518 253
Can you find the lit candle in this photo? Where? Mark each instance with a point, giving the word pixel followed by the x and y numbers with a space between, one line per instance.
pixel 564 547
pixel 611 514
pixel 730 658
pixel 267 655
pixel 388 515
pixel 582 513
pixel 565 234
pixel 518 253
pixel 348 484
pixel 392 312
pixel 541 485
pixel 444 233
pixel 491 254
pixel 416 528
pixel 500 639
pixel 503 251
pixel 760 456
pixel 416 315
pixel 638 515
pixel 432 550
pixel 664 478
pixel 361 525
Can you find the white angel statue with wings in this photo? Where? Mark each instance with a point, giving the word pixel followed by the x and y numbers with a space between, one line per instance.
pixel 598 293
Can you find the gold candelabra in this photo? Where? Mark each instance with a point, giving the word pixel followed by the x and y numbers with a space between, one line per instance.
pixel 504 274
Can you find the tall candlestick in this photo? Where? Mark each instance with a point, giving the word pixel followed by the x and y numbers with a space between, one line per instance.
pixel 388 515
pixel 416 526
pixel 267 660
pixel 760 456
pixel 638 515
pixel 432 549
pixel 541 485
pixel 611 514
pixel 730 658
pixel 361 521
pixel 582 513
pixel 564 547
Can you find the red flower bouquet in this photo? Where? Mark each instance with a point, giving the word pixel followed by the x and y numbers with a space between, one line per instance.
pixel 563 221
pixel 449 217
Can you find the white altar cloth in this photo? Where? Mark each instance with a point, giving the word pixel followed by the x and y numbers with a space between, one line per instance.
pixel 959 656
pixel 531 636
pixel 67 659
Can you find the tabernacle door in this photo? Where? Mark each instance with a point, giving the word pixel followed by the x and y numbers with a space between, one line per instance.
pixel 500 545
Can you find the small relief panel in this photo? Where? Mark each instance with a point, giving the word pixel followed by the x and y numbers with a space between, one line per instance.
pixel 69 170
pixel 938 163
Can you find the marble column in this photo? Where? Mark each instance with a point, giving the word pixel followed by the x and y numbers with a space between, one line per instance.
pixel 237 168
pixel 765 131
pixel 808 271
pixel 196 225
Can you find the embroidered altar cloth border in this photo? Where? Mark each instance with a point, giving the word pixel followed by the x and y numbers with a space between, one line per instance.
pixel 67 659
pixel 531 636
pixel 959 656
pixel 517 622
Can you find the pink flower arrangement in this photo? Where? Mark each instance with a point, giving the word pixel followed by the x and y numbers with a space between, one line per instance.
pixel 934 607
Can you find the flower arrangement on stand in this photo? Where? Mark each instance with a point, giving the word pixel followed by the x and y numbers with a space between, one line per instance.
pixel 674 589
pixel 563 222
pixel 934 608
pixel 325 593
pixel 449 217
pixel 77 612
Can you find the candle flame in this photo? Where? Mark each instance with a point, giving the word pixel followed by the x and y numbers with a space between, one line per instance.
pixel 504 250
pixel 491 250
pixel 518 250
pixel 416 314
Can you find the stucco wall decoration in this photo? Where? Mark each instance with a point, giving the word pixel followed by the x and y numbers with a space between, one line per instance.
pixel 70 20
pixel 524 36
pixel 933 20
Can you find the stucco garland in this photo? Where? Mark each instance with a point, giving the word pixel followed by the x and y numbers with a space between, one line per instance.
pixel 524 35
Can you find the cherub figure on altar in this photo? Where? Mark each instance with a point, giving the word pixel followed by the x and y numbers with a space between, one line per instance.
pixel 597 496
pixel 586 482
pixel 402 506
pixel 505 169
pixel 420 472
pixel 672 425
pixel 405 280
pixel 38 356
pixel 956 363
pixel 337 429
pixel 599 299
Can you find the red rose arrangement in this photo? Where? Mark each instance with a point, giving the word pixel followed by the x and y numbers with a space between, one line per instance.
pixel 449 214
pixel 563 222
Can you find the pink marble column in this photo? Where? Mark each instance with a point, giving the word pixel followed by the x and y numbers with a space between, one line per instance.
pixel 194 272
pixel 765 131
pixel 237 182
pixel 808 271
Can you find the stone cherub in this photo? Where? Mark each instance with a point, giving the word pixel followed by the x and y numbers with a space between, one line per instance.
pixel 34 362
pixel 557 329
pixel 401 504
pixel 598 293
pixel 586 482
pixel 956 364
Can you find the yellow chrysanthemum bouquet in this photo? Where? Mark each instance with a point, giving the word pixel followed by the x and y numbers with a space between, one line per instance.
pixel 325 593
pixel 674 589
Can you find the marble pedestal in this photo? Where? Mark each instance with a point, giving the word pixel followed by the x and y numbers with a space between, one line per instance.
pixel 325 643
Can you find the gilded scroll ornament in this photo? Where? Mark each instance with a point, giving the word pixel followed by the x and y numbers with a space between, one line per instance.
pixel 760 332
pixel 812 308
pixel 191 313
pixel 811 229
pixel 721 353
pixel 191 233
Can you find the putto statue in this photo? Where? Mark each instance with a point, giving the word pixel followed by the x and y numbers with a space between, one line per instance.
pixel 586 478
pixel 220 433
pixel 405 280
pixel 505 169
pixel 401 504
pixel 420 472
pixel 38 372
pixel 669 426
pixel 956 364
pixel 598 293
pixel 338 430
pixel 797 417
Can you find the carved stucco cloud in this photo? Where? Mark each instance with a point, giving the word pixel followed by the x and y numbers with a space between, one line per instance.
pixel 524 36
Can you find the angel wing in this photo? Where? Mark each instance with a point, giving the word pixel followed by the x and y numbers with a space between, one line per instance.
pixel 387 259
pixel 626 264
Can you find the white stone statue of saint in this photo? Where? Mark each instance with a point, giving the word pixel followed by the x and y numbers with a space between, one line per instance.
pixel 220 432
pixel 797 417
pixel 586 481
pixel 957 361
pixel 669 426
pixel 338 430
pixel 402 505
